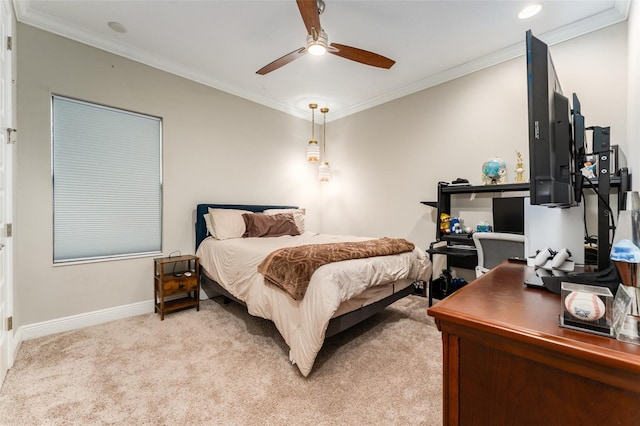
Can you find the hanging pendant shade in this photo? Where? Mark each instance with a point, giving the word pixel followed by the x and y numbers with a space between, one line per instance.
pixel 313 149
pixel 313 152
pixel 324 171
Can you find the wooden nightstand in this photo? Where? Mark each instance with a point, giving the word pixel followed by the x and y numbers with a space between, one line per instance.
pixel 174 276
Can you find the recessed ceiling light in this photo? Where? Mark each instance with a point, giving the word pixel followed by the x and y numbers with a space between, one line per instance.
pixel 529 11
pixel 117 27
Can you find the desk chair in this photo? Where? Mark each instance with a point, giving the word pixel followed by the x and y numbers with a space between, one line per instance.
pixel 494 247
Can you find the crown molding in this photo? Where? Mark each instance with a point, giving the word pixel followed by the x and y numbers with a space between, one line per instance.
pixel 612 16
pixel 31 17
pixel 25 14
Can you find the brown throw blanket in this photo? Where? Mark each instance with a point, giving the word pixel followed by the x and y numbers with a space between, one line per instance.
pixel 291 268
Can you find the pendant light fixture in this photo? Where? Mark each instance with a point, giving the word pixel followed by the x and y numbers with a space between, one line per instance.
pixel 324 171
pixel 313 149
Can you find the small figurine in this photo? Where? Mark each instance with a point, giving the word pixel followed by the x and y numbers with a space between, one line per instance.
pixel 455 226
pixel 519 168
pixel 444 223
pixel 589 169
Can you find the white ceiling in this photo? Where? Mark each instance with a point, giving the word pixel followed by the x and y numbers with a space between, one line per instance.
pixel 223 43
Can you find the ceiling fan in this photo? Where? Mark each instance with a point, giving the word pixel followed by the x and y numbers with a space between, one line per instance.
pixel 317 42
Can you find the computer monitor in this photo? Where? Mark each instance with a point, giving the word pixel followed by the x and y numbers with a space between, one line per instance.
pixel 508 215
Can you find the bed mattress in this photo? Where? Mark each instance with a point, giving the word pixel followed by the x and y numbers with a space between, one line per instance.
pixel 334 289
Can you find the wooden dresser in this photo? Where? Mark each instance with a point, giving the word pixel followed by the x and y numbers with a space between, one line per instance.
pixel 507 362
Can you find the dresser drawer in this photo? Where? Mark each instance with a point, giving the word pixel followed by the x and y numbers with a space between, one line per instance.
pixel 179 285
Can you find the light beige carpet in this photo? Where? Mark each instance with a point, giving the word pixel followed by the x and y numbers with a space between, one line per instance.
pixel 223 366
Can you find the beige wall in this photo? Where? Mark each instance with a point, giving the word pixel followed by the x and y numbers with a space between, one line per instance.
pixel 633 104
pixel 391 157
pixel 218 147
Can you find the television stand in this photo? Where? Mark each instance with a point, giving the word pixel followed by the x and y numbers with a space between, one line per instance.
pixel 602 278
pixel 602 148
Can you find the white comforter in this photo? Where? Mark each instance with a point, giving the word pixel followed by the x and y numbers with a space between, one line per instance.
pixel 233 264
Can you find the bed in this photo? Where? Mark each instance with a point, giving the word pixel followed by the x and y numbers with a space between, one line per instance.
pixel 338 296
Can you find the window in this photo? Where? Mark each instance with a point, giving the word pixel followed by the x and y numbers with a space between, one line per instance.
pixel 107 182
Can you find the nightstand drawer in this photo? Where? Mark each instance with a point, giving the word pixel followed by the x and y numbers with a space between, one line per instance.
pixel 179 285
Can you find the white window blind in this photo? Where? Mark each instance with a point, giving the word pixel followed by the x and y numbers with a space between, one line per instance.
pixel 107 182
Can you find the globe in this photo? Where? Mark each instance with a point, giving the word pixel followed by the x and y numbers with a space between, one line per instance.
pixel 494 171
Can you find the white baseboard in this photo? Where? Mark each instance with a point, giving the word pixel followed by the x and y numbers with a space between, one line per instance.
pixel 74 322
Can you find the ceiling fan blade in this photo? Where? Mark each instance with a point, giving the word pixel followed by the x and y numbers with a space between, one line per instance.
pixel 280 62
pixel 362 56
pixel 310 15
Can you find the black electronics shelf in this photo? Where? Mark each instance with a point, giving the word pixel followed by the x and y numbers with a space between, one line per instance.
pixel 465 258
pixel 445 190
pixel 465 189
pixel 614 181
pixel 443 205
pixel 457 238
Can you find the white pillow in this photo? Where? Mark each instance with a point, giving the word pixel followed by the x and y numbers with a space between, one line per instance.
pixel 227 223
pixel 207 222
pixel 298 216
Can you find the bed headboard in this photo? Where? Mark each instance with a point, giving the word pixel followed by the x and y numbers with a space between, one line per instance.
pixel 201 209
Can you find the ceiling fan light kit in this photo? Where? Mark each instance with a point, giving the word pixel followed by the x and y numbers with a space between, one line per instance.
pixel 318 43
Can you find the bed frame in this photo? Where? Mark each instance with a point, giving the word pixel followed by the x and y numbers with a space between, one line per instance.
pixel 337 324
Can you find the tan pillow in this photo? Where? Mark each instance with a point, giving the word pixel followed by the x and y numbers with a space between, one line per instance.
pixel 227 223
pixel 207 222
pixel 298 216
pixel 261 225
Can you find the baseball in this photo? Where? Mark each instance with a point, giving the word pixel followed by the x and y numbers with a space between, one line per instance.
pixel 584 306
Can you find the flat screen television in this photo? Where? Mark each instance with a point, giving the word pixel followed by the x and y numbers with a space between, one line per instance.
pixel 553 159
